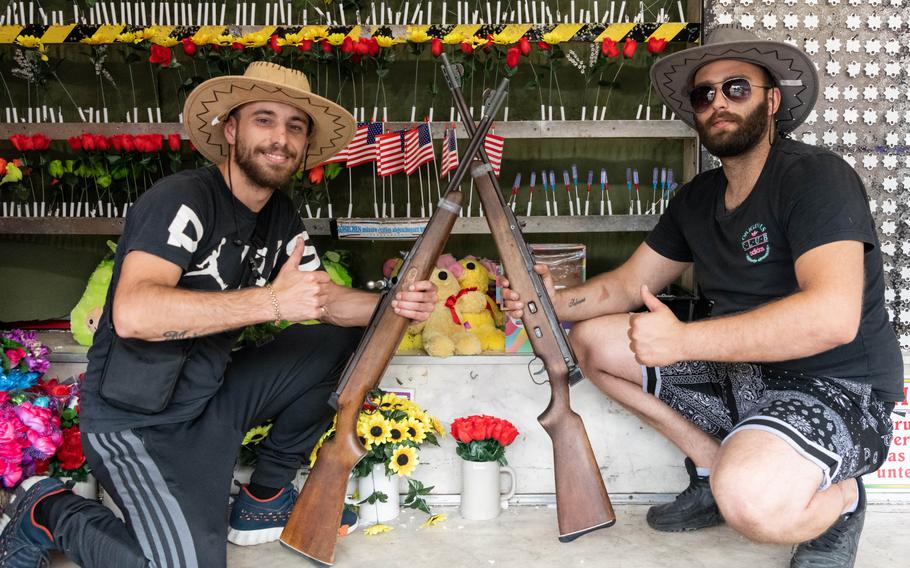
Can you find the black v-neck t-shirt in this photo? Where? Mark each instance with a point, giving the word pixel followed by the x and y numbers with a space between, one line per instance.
pixel 805 197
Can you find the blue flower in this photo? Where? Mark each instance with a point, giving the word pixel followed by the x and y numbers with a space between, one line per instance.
pixel 17 380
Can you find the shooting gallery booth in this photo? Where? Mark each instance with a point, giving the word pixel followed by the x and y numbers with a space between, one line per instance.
pixel 580 152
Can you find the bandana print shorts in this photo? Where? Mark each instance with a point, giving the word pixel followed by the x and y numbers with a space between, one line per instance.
pixel 836 424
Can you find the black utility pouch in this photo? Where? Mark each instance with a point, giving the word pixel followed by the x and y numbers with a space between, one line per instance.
pixel 140 376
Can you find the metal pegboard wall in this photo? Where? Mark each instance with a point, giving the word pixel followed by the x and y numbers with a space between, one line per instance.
pixel 860 48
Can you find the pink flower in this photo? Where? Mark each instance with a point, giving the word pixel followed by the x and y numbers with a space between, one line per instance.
pixel 46 445
pixel 14 356
pixel 7 432
pixel 34 417
pixel 10 474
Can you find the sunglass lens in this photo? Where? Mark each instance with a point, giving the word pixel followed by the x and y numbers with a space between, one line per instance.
pixel 738 90
pixel 701 97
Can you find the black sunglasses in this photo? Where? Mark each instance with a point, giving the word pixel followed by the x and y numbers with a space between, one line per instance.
pixel 738 90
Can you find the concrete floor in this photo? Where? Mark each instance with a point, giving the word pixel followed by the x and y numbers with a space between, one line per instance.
pixel 524 537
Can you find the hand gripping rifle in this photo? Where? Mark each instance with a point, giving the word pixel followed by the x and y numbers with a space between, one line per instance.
pixel 312 528
pixel 582 502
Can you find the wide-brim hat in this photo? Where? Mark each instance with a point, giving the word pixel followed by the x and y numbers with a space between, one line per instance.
pixel 793 71
pixel 208 106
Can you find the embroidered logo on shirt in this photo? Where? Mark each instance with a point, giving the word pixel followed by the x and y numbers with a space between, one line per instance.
pixel 755 243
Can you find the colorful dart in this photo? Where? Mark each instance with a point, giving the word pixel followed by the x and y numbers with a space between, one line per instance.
pixel 637 194
pixel 629 188
pixel 515 185
pixel 588 196
pixel 543 179
pixel 575 183
pixel 605 191
pixel 553 191
pixel 531 196
pixel 565 179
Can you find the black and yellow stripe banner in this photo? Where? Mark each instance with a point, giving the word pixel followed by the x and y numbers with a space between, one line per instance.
pixel 686 32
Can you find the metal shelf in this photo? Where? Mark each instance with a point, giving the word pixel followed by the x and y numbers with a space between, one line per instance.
pixel 323 227
pixel 512 129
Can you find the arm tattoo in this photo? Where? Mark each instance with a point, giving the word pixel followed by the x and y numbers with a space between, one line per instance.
pixel 575 301
pixel 174 335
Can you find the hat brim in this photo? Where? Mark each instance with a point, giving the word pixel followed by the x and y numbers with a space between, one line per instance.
pixel 791 68
pixel 208 105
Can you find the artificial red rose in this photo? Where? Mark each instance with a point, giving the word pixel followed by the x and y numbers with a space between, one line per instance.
pixel 160 55
pixel 316 174
pixel 628 48
pixel 609 48
pixel 487 46
pixel 21 142
pixel 55 389
pixel 326 46
pixel 70 454
pixel 102 143
pixel 467 48
pixel 305 45
pixel 436 47
pixel 173 142
pixel 40 142
pixel 189 46
pixel 524 46
pixel 512 57
pixel 192 146
pixel 88 142
pixel 128 143
pixel 117 142
pixel 3 167
pixel 14 356
pixel 496 433
pixel 362 47
pixel 274 45
pixel 656 45
pixel 374 46
pixel 543 45
pixel 75 143
pixel 347 45
pixel 237 46
pixel 41 466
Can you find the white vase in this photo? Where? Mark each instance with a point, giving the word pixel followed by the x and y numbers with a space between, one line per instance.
pixel 481 496
pixel 378 512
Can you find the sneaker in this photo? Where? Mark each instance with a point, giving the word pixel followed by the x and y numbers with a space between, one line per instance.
pixel 258 521
pixel 694 508
pixel 836 547
pixel 24 544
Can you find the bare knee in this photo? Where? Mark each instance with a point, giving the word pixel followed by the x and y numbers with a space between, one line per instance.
pixel 602 345
pixel 759 509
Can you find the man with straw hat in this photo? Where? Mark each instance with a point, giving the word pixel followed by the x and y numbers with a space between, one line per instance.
pixel 165 401
pixel 781 399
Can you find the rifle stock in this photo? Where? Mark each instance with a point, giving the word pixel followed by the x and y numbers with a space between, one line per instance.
pixel 312 528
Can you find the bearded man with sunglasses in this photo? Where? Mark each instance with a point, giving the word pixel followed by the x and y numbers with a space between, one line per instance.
pixel 781 399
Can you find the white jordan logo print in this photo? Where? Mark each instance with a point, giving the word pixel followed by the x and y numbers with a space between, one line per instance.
pixel 177 230
pixel 209 266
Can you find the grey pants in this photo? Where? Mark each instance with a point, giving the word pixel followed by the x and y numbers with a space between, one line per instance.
pixel 173 481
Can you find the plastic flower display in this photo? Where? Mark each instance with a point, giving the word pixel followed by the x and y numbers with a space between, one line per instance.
pixel 482 438
pixel 29 436
pixel 23 358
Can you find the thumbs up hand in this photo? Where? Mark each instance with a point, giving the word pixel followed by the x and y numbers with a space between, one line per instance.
pixel 655 336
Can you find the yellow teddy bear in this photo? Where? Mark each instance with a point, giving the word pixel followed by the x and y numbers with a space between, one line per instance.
pixel 444 332
pixel 480 311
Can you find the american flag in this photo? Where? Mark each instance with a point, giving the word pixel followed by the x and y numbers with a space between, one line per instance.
pixel 493 145
pixel 391 153
pixel 418 148
pixel 449 151
pixel 362 149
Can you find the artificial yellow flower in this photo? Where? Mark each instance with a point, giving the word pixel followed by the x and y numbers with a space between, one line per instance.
pixel 477 41
pixel 126 37
pixel 454 37
pixel 397 431
pixel 386 42
pixel 377 431
pixel 291 39
pixel 404 460
pixel 165 40
pixel 32 42
pixel 417 34
pixel 433 520
pixel 556 37
pixel 336 38
pixel 254 39
pixel 438 426
pixel 414 429
pixel 508 35
pixel 376 529
pixel 314 33
pixel 144 34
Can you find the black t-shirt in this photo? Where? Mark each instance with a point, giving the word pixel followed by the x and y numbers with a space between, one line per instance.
pixel 192 220
pixel 804 198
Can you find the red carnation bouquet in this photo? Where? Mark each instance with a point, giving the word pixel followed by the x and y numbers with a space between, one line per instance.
pixel 482 438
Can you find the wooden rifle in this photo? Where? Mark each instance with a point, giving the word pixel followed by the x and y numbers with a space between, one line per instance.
pixel 312 528
pixel 582 502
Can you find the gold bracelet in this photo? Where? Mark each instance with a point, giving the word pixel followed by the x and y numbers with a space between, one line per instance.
pixel 274 298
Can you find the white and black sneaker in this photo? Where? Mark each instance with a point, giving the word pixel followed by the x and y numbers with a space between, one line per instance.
pixel 837 546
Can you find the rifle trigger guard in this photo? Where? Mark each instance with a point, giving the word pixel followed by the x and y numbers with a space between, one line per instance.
pixel 542 370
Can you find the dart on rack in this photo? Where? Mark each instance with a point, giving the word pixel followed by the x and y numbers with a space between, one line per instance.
pixel 513 198
pixel 531 194
pixel 588 193
pixel 565 179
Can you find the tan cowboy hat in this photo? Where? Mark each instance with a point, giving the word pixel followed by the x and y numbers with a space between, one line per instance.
pixel 791 68
pixel 208 106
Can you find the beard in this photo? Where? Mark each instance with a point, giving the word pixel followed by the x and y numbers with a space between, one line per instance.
pixel 263 174
pixel 739 141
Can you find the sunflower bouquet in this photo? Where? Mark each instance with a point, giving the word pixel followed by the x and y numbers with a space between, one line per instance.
pixel 392 429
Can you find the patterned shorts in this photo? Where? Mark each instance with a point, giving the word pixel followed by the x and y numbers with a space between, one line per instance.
pixel 836 424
